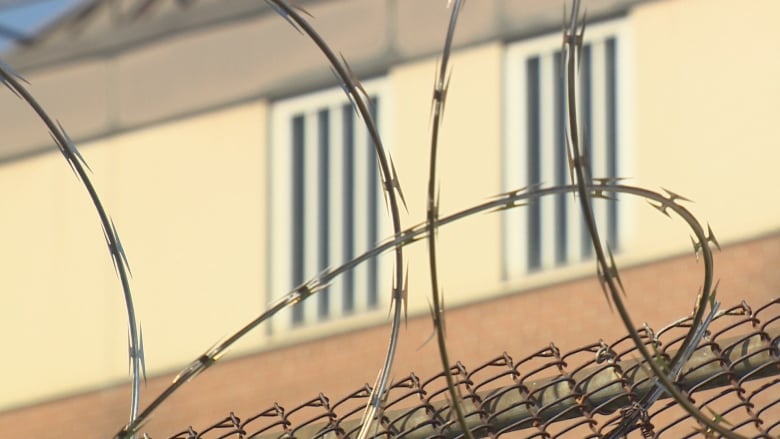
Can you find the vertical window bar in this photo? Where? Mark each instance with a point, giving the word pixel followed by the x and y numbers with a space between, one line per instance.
pixel 612 149
pixel 323 203
pixel 534 167
pixel 373 205
pixel 348 179
pixel 298 213
pixel 561 162
pixel 586 148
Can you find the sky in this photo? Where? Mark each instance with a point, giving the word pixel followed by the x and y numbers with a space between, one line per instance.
pixel 26 17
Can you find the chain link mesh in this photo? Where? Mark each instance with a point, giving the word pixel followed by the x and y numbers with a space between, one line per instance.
pixel 584 393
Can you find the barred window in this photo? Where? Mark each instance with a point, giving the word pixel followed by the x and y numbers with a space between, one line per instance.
pixel 326 201
pixel 550 231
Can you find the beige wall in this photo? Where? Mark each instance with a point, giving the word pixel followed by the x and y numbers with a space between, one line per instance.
pixel 467 149
pixel 706 104
pixel 188 195
pixel 187 201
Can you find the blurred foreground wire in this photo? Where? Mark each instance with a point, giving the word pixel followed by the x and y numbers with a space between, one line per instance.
pixel 734 375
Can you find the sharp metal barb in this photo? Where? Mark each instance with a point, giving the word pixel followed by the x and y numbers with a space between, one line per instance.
pixel 602 276
pixel 300 9
pixel 141 353
pixel 514 193
pixel 436 204
pixel 661 207
pixel 439 99
pixel 120 248
pixel 71 147
pixel 614 270
pixel 284 14
pixel 109 243
pixel 563 41
pixel 433 101
pixel 353 77
pixel 395 184
pixel 711 237
pixel 8 70
pixel 673 196
pixel 346 91
pixel 405 297
pixel 68 159
pixel 510 204
pixel 442 309
pixel 696 248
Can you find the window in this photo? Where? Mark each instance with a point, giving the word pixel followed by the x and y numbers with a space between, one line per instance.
pixel 326 202
pixel 550 232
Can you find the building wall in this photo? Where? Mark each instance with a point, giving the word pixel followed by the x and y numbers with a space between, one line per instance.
pixel 520 324
pixel 705 90
pixel 182 167
pixel 186 197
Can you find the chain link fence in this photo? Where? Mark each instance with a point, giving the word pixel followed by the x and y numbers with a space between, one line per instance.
pixel 588 392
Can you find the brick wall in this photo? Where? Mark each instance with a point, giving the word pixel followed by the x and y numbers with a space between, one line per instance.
pixel 570 314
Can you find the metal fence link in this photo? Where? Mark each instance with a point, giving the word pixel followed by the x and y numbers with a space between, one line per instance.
pixel 734 375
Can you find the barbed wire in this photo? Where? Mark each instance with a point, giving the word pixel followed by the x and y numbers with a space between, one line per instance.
pixel 585 393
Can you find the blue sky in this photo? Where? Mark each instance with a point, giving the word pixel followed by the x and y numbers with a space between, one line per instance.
pixel 26 17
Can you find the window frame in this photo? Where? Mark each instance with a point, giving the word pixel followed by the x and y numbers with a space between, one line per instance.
pixel 555 247
pixel 329 305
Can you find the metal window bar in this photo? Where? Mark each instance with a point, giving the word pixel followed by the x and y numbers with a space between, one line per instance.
pixel 335 207
pixel 550 232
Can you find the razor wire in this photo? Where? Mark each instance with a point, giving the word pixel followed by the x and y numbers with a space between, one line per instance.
pixel 733 375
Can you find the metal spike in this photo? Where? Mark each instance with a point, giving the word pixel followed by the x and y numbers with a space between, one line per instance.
pixel 119 247
pixel 353 77
pixel 696 248
pixel 10 71
pixel 714 294
pixel 440 94
pixel 405 298
pixel 614 271
pixel 606 181
pixel 321 281
pixel 441 313
pixel 395 295
pixel 345 89
pixel 603 283
pixel 581 36
pixel 295 5
pixel 397 184
pixel 71 147
pixel 711 237
pixel 64 152
pixel 284 14
pixel 303 292
pixel 673 196
pixel 563 40
pixel 141 354
pixel 599 193
pixel 130 352
pixel 511 194
pixel 7 71
pixel 661 206
pixel 111 250
pixel 573 18
pixel 408 237
pixel 436 203
pixel 433 101
pixel 651 334
pixel 511 204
